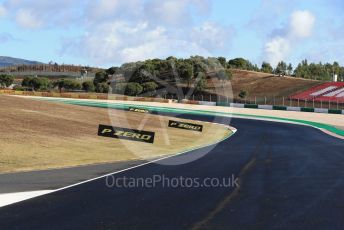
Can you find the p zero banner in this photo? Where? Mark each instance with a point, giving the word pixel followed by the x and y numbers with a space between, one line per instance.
pixel 184 125
pixel 126 134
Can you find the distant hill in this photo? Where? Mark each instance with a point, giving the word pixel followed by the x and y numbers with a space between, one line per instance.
pixel 9 61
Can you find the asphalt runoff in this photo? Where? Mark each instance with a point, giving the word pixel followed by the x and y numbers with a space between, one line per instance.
pixel 290 177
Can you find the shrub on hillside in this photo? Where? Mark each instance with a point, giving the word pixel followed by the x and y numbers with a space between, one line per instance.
pixel 88 86
pixel 119 88
pixel 36 83
pixel 243 94
pixel 6 80
pixel 133 89
pixel 102 88
pixel 67 84
pixel 150 87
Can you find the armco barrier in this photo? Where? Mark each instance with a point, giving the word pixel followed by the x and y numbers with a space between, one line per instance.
pixel 317 110
pixel 335 111
pixel 276 107
pixel 207 103
pixel 311 110
pixel 220 103
pixel 237 105
pixel 269 107
pixel 251 106
pixel 291 108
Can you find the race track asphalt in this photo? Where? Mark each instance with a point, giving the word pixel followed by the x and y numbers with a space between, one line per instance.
pixel 290 177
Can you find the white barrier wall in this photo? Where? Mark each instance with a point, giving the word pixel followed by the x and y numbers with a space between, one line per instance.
pixel 207 103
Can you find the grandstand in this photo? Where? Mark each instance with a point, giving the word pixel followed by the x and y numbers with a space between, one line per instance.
pixel 331 91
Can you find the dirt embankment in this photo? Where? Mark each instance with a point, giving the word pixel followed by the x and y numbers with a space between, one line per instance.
pixel 265 85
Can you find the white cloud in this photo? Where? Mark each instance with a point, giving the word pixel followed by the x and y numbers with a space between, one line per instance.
pixel 279 46
pixel 39 14
pixel 147 29
pixel 174 12
pixel 118 42
pixel 2 11
pixel 117 31
pixel 27 19
pixel 277 49
pixel 301 24
pixel 213 36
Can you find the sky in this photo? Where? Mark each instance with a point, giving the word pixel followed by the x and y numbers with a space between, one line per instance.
pixel 107 33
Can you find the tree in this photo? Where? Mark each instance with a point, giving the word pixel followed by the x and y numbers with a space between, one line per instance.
pixel 201 83
pixel 186 73
pixel 241 63
pixel 88 86
pixel 149 87
pixel 266 67
pixel 222 61
pixel 70 84
pixel 6 80
pixel 281 68
pixel 59 84
pixel 26 82
pixel 67 84
pixel 290 69
pixel 102 88
pixel 40 83
pixel 119 88
pixel 133 89
pixel 143 73
pixel 100 77
pixel 112 70
pixel 36 83
pixel 336 68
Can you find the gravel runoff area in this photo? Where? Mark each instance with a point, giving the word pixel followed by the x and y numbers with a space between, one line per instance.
pixel 38 135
